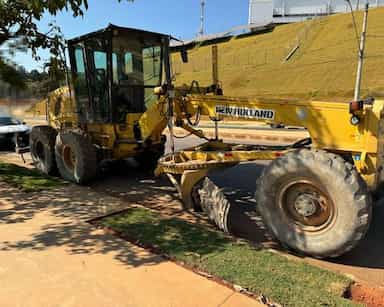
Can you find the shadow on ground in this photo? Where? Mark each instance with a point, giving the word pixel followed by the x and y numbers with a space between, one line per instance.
pixel 68 209
pixel 247 224
pixel 40 221
pixel 369 253
pixel 137 186
pixel 134 186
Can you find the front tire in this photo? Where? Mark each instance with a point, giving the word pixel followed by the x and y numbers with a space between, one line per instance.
pixel 314 202
pixel 42 144
pixel 76 157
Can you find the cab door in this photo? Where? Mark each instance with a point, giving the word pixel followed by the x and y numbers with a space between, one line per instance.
pixel 80 82
pixel 98 71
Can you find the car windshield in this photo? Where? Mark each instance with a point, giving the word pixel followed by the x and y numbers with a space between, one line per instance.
pixel 7 121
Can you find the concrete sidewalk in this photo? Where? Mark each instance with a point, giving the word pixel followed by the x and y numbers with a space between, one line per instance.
pixel 50 256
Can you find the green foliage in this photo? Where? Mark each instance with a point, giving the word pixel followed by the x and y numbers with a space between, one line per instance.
pixel 10 74
pixel 19 30
pixel 34 84
pixel 26 179
pixel 288 282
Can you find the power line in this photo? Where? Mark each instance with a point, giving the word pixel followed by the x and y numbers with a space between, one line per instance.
pixel 354 24
pixel 202 18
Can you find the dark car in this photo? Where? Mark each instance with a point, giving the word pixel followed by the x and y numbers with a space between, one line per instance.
pixel 13 133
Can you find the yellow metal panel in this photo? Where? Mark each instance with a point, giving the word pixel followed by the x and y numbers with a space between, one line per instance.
pixel 327 122
pixel 61 112
pixel 236 156
pixel 153 121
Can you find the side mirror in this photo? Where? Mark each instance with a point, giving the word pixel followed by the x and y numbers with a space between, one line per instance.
pixel 184 55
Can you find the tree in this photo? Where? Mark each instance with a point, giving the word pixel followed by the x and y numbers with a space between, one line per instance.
pixel 19 31
pixel 35 75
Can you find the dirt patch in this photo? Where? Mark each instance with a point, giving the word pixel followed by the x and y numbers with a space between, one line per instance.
pixel 370 297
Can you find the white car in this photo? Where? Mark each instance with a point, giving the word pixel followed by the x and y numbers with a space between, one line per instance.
pixel 13 133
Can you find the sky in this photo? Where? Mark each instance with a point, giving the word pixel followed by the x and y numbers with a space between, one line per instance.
pixel 180 18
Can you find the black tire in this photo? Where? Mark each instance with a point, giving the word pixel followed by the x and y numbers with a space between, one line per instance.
pixel 211 199
pixel 42 146
pixel 314 202
pixel 148 159
pixel 76 157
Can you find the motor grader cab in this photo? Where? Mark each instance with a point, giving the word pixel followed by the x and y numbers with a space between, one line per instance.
pixel 114 72
pixel 110 111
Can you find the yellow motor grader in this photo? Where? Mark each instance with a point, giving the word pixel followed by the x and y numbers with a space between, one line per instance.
pixel 314 197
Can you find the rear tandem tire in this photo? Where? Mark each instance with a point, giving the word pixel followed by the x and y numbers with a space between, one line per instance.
pixel 42 144
pixel 148 159
pixel 76 157
pixel 314 202
pixel 210 199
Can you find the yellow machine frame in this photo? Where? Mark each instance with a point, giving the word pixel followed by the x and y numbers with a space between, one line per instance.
pixel 328 124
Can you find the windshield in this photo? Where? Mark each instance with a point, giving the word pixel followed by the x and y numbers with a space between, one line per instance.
pixel 136 63
pixel 8 121
pixel 136 70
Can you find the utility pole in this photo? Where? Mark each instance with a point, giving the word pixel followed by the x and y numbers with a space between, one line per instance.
pixel 361 54
pixel 202 18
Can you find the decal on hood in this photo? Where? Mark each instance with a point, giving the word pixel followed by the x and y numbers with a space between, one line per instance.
pixel 245 112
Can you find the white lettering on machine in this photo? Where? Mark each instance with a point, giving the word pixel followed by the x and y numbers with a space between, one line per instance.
pixel 245 112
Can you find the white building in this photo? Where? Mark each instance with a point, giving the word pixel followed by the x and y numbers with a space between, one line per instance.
pixel 283 11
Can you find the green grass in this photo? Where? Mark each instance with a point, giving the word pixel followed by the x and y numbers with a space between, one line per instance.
pixel 323 68
pixel 288 282
pixel 26 179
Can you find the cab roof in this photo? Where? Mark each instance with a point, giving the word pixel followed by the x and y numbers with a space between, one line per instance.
pixel 111 28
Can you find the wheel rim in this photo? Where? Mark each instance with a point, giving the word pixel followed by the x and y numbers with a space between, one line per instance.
pixel 306 206
pixel 69 158
pixel 195 196
pixel 39 150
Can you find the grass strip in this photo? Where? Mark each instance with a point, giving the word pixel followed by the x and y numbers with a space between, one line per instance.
pixel 26 179
pixel 288 282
